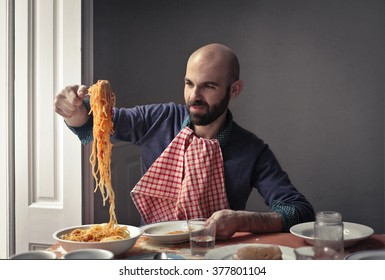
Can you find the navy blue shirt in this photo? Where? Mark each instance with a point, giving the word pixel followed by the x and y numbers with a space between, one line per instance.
pixel 248 161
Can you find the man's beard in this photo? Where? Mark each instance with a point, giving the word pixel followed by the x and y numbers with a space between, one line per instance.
pixel 213 113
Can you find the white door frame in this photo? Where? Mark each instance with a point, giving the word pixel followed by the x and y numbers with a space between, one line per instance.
pixel 47 154
pixel 6 126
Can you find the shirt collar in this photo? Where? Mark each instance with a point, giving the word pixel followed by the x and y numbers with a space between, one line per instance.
pixel 223 135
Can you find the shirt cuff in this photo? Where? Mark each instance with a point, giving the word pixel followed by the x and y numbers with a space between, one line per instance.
pixel 289 214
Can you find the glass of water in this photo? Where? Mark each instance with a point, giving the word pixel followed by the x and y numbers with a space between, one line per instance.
pixel 202 235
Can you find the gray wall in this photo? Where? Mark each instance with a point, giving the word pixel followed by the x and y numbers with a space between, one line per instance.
pixel 313 73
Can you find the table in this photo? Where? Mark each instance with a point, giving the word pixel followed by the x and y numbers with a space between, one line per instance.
pixel 145 247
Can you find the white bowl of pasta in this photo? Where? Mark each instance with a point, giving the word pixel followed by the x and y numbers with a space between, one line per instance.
pixel 120 239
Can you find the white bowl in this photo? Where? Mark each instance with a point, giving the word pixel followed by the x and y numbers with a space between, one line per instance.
pixel 35 255
pixel 163 232
pixel 117 247
pixel 89 254
pixel 352 232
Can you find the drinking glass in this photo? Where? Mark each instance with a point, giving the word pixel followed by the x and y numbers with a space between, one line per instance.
pixel 202 235
pixel 328 235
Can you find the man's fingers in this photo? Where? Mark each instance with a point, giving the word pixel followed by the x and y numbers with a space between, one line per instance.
pixel 82 91
pixel 63 113
pixel 64 108
pixel 71 93
pixel 67 102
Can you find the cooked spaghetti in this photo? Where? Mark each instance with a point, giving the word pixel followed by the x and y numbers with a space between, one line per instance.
pixel 101 101
pixel 101 107
pixel 98 233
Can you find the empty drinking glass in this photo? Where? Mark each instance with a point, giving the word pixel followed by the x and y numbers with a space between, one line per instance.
pixel 329 235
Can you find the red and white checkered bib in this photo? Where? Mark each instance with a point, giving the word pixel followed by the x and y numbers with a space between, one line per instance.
pixel 185 182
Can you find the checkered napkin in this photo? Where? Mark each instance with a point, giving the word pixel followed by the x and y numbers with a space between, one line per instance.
pixel 185 182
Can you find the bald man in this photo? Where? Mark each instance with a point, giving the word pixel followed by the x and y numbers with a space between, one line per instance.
pixel 211 82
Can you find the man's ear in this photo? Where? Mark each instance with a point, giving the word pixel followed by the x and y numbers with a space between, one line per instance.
pixel 236 88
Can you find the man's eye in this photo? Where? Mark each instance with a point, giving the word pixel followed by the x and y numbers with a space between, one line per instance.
pixel 209 86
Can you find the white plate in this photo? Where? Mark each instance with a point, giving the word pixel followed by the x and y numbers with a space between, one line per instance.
pixel 352 232
pixel 367 255
pixel 227 252
pixel 162 232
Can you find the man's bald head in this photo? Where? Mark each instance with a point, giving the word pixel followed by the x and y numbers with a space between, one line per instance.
pixel 220 55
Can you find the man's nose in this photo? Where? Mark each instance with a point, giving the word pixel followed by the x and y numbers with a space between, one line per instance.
pixel 195 93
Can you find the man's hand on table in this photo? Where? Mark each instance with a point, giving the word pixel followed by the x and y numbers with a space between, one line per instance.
pixel 230 222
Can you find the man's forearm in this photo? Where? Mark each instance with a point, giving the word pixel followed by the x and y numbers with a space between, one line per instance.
pixel 260 221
